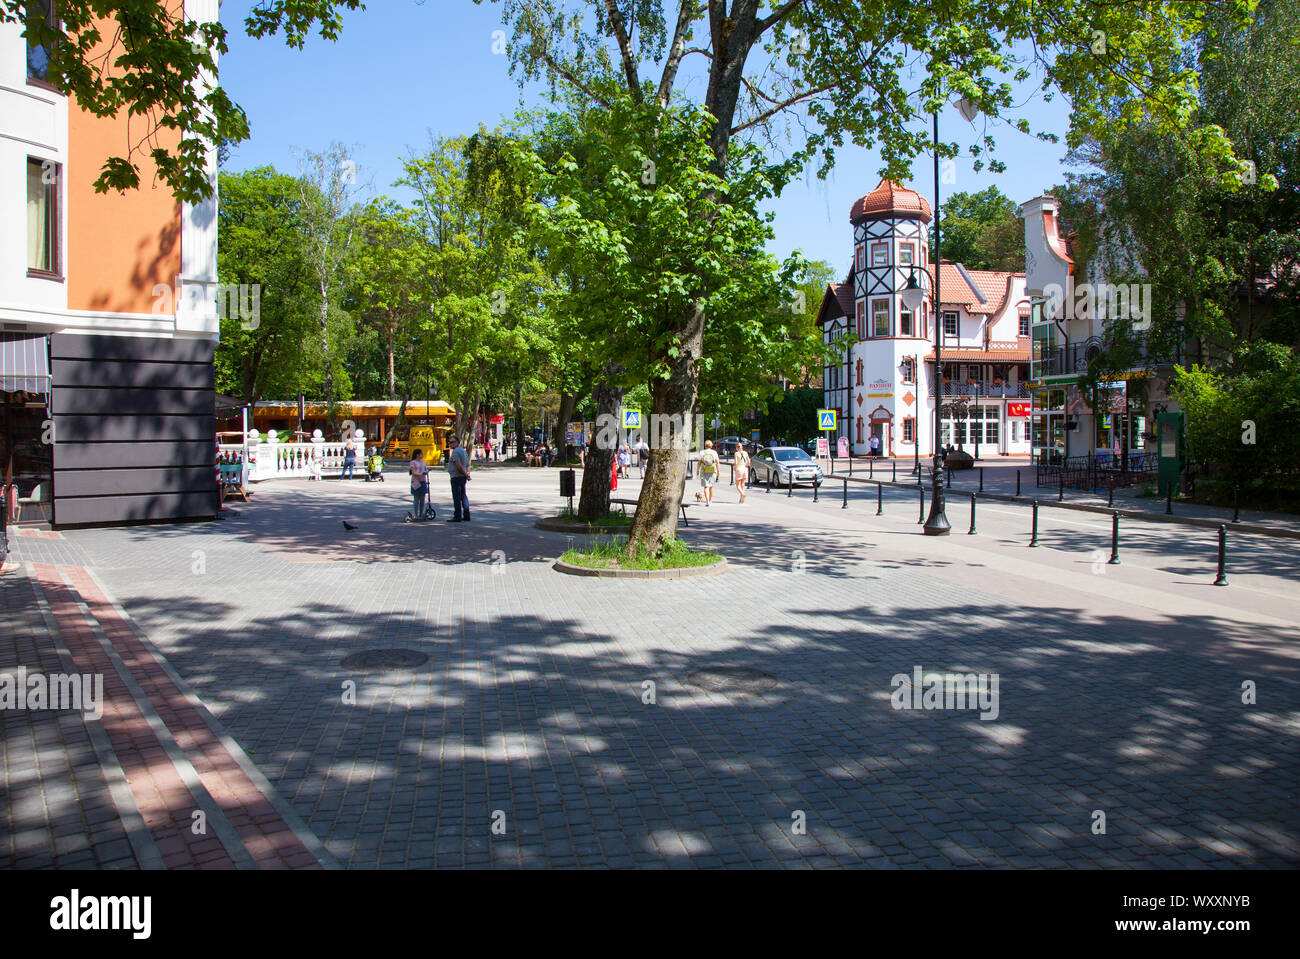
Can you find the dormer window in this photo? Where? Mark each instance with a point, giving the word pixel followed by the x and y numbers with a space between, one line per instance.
pixel 949 323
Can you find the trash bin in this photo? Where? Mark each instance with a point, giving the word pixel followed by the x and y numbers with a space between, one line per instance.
pixel 568 482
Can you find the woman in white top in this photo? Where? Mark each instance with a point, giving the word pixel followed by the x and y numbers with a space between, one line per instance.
pixel 741 461
pixel 419 482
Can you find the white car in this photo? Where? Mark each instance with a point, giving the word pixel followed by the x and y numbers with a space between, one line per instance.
pixel 783 465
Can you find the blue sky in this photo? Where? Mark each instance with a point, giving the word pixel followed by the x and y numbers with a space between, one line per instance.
pixel 403 70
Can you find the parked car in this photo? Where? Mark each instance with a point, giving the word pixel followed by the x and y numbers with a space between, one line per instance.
pixel 782 464
pixel 726 446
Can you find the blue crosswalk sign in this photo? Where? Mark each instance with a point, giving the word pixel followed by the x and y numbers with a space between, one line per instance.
pixel 826 419
pixel 631 419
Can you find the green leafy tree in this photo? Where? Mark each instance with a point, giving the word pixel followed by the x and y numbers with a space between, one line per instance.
pixel 262 247
pixel 646 230
pixel 982 231
pixel 162 69
pixel 837 68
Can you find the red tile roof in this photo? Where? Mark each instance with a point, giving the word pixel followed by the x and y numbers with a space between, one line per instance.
pixel 890 199
pixel 993 285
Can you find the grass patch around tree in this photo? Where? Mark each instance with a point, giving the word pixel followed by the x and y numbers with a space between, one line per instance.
pixel 612 518
pixel 614 554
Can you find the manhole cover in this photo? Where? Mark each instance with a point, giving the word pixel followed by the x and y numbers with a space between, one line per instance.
pixel 385 659
pixel 732 679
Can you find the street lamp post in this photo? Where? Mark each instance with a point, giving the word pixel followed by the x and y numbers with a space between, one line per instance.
pixel 936 524
pixel 914 295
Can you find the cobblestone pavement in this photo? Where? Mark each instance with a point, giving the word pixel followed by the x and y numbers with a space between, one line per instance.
pixel 559 709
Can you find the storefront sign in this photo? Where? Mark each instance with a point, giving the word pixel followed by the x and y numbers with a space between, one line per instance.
pixel 1017 409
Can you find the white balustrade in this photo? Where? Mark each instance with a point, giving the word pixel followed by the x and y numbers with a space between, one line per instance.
pixel 265 457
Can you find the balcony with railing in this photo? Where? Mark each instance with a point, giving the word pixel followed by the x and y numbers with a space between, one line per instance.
pixel 1074 358
pixel 990 389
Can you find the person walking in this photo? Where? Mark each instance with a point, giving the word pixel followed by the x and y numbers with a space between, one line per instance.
pixel 875 445
pixel 741 463
pixel 458 468
pixel 708 471
pixel 349 458
pixel 419 482
pixel 625 462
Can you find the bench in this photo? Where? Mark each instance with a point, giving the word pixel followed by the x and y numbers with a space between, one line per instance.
pixel 631 502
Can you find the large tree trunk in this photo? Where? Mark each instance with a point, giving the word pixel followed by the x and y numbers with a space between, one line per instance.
pixel 594 502
pixel 392 367
pixel 676 397
pixel 568 402
pixel 392 430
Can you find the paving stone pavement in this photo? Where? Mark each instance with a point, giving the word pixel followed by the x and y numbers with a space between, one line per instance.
pixel 535 712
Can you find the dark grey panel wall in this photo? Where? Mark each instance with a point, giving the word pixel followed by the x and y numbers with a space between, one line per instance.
pixel 133 429
pixel 97 511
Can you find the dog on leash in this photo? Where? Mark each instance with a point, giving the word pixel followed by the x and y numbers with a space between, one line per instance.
pixel 699 496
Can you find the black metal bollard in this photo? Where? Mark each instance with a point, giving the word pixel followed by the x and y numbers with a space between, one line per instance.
pixel 1017 482
pixel 880 499
pixel 816 487
pixel 1033 540
pixel 1236 510
pixel 789 487
pixel 1222 579
pixel 949 479
pixel 1169 499
pixel 971 531
pixel 1110 498
pixel 921 516
pixel 894 476
pixel 1114 539
pixel 871 467
pixel 981 479
pixel 1060 495
pixel 845 504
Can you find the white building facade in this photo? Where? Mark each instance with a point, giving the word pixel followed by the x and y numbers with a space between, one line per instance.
pixel 886 383
pixel 108 311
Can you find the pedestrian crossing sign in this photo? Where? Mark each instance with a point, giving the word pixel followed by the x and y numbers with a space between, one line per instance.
pixel 826 419
pixel 631 419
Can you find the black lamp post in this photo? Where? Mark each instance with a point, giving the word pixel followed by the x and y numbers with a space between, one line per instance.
pixel 936 524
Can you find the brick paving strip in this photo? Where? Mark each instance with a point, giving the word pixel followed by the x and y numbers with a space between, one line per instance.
pixel 175 757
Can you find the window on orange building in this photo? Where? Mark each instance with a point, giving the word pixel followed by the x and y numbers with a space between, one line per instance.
pixel 42 217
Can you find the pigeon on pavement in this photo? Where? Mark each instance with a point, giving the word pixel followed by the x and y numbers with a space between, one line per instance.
pixel 348 526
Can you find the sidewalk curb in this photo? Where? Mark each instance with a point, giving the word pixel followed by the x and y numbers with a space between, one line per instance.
pixel 681 572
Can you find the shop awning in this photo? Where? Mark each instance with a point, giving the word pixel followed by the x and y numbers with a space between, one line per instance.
pixel 24 363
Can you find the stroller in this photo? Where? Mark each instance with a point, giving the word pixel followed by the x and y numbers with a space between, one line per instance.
pixel 374 466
